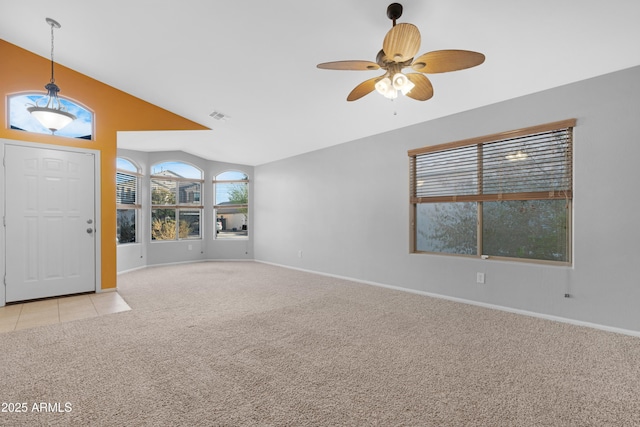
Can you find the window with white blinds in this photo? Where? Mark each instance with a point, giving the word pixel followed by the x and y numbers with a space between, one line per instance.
pixel 127 206
pixel 503 195
pixel 126 189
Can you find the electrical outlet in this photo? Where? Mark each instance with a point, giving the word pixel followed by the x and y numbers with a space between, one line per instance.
pixel 480 277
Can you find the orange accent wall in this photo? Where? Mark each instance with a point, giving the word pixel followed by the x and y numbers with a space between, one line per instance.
pixel 114 110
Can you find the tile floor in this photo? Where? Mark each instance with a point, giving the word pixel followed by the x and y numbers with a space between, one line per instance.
pixel 56 310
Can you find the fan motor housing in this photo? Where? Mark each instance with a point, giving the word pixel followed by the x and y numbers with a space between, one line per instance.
pixel 394 11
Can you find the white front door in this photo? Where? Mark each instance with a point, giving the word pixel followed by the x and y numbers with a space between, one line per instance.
pixel 49 222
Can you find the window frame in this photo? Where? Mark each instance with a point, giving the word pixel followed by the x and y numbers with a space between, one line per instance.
pixel 217 207
pixel 81 111
pixel 177 206
pixel 136 206
pixel 480 198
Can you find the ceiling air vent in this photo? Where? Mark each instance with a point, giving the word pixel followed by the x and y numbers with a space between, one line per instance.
pixel 219 116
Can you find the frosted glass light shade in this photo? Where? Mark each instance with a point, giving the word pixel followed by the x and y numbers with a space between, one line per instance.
pixel 385 87
pixel 402 83
pixel 51 118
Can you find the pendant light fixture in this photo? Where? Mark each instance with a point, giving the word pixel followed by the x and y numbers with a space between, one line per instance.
pixel 48 110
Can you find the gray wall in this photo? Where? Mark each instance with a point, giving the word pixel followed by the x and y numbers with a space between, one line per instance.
pixel 147 252
pixel 344 210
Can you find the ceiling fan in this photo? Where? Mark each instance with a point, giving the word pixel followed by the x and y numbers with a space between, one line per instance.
pixel 399 48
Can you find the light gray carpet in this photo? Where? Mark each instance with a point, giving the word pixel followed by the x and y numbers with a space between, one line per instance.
pixel 249 344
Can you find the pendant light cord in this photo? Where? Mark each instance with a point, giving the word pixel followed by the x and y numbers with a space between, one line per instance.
pixel 52 77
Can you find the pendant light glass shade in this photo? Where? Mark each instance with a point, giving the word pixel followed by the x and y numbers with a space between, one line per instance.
pixel 53 114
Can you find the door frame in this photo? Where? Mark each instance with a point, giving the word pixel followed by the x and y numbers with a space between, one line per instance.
pixel 96 204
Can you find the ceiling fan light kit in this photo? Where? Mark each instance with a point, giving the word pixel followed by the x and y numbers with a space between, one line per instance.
pixel 385 88
pixel 389 87
pixel 399 48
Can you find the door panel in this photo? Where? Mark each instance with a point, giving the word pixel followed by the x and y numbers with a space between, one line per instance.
pixel 50 243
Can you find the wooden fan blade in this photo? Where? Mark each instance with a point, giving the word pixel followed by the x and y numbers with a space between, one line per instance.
pixel 364 88
pixel 422 89
pixel 401 42
pixel 349 65
pixel 442 61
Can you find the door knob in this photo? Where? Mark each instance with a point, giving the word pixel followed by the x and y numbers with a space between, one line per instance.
pixel 89 230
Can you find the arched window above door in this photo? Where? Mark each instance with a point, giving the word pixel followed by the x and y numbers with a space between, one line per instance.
pixel 20 119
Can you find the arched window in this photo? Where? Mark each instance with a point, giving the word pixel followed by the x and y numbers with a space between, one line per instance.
pixel 231 205
pixel 127 204
pixel 176 206
pixel 20 119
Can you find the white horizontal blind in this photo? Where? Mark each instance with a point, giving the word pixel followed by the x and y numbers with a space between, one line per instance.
pixel 521 166
pixel 126 189
pixel 531 163
pixel 452 172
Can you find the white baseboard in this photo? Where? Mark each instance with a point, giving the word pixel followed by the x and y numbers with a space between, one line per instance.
pixel 142 267
pixel 471 302
pixel 131 269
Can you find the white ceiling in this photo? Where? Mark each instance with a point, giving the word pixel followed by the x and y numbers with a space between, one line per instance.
pixel 255 61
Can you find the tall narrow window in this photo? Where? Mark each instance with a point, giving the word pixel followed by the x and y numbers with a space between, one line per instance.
pixel 20 119
pixel 176 206
pixel 506 195
pixel 231 205
pixel 127 205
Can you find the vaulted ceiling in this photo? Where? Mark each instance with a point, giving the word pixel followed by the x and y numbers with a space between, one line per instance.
pixel 255 61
